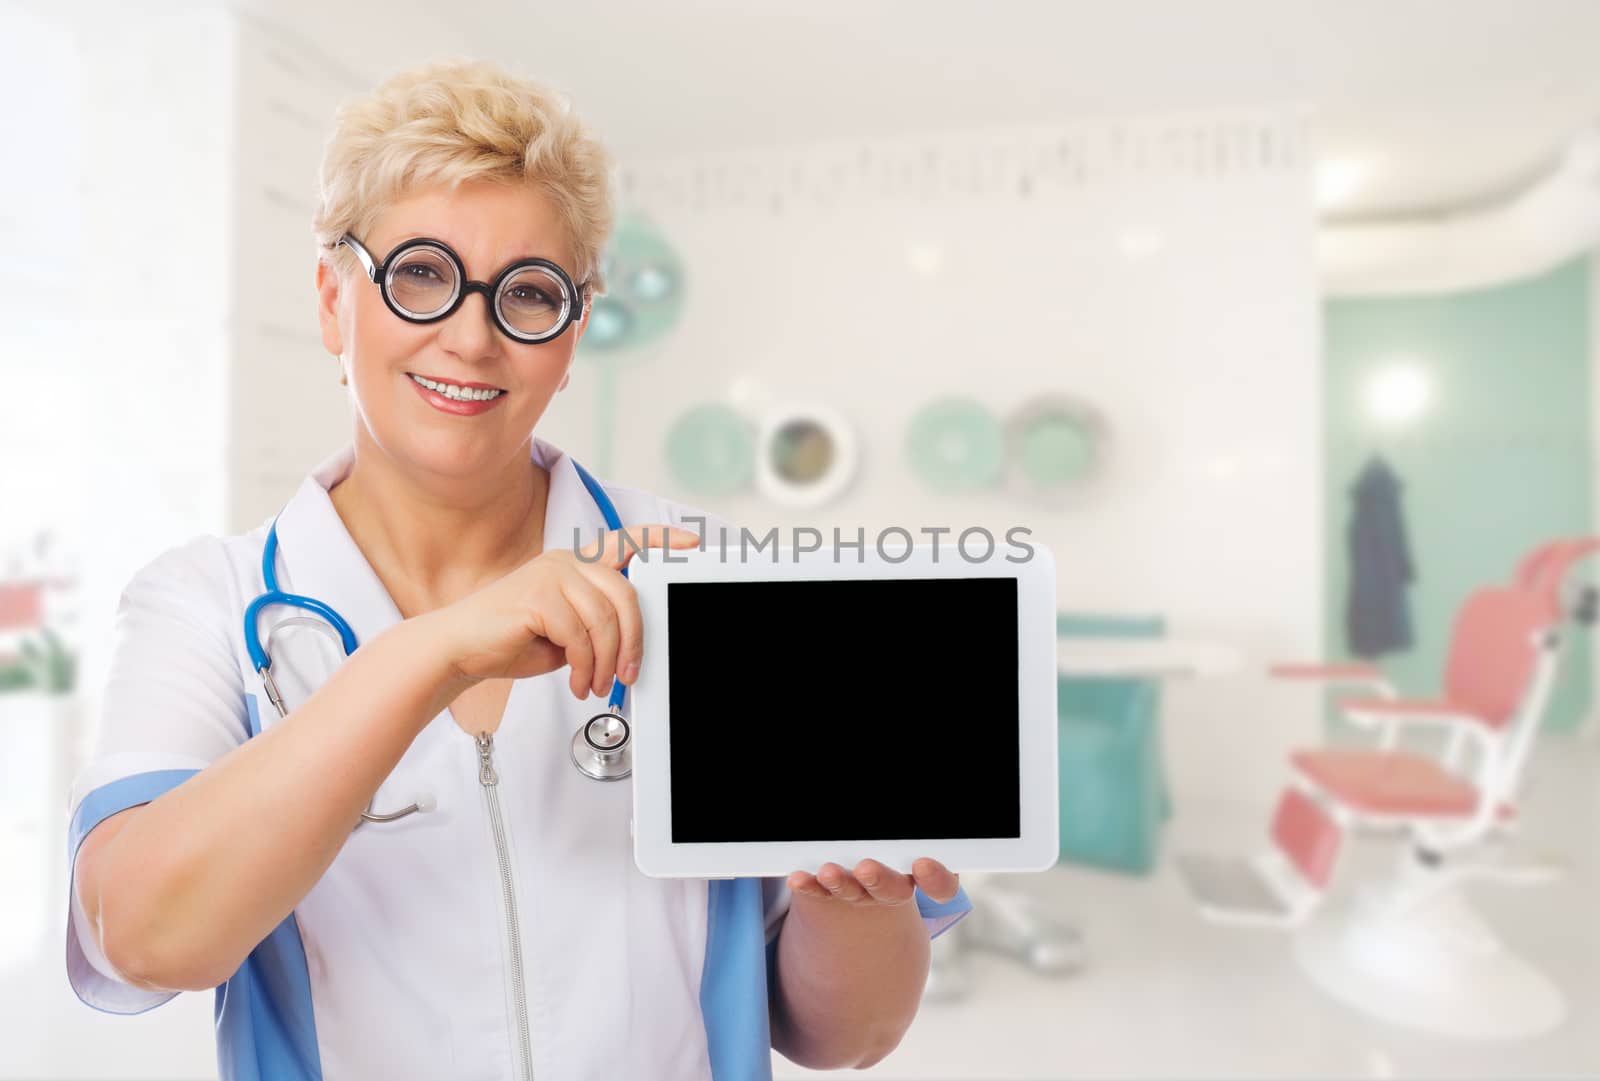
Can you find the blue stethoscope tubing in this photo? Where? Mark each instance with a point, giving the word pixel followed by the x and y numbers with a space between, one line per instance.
pixel 347 635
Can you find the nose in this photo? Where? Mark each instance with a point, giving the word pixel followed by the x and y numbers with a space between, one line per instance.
pixel 469 330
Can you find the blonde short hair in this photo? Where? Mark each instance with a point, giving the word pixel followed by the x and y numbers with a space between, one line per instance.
pixel 446 123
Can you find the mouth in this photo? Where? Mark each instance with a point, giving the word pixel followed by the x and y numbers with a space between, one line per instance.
pixel 461 392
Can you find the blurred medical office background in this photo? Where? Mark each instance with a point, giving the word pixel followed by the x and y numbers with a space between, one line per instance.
pixel 1272 319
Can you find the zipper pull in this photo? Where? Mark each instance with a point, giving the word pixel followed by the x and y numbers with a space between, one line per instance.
pixel 486 774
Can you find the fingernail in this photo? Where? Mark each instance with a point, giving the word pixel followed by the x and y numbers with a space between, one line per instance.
pixel 630 671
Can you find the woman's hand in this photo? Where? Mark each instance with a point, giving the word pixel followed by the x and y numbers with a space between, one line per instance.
pixel 560 607
pixel 872 883
pixel 852 961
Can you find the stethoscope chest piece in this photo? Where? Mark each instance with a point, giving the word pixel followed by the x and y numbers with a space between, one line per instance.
pixel 603 748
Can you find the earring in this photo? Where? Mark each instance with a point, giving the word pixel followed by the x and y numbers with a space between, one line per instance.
pixel 344 379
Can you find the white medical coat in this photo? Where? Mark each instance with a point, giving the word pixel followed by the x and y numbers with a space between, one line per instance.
pixel 396 964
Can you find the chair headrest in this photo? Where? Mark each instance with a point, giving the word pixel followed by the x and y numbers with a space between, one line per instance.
pixel 1544 572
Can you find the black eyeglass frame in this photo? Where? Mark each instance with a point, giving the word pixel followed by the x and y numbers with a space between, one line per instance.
pixel 572 300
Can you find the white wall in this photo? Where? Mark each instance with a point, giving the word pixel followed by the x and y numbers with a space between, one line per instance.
pixel 116 347
pixel 287 409
pixel 115 352
pixel 1160 267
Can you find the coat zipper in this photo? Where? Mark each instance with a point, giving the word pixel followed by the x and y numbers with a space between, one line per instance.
pixel 490 781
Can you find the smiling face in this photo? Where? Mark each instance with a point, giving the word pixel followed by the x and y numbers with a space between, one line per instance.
pixel 423 431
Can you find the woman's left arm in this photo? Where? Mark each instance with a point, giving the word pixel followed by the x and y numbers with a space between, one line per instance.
pixel 852 962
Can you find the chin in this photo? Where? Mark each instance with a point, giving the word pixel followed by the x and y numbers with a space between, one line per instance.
pixel 456 455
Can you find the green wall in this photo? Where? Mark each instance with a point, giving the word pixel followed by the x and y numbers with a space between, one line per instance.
pixel 1500 460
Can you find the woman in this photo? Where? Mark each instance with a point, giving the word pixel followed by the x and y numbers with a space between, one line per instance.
pixel 495 926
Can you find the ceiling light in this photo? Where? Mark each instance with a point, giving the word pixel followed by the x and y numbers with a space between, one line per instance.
pixel 1398 394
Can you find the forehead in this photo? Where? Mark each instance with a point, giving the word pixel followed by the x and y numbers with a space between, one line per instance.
pixel 488 223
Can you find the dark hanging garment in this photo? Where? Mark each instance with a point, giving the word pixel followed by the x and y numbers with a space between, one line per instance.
pixel 1378 617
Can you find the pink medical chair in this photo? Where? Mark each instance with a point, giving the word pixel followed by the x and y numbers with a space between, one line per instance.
pixel 1409 949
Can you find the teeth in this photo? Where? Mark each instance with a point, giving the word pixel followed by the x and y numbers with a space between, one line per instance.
pixel 460 394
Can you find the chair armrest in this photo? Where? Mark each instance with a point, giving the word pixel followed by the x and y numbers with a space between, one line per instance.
pixel 1327 672
pixel 1355 675
pixel 1409 711
pixel 1393 713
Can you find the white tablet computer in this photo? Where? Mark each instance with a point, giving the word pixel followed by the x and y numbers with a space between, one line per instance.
pixel 795 708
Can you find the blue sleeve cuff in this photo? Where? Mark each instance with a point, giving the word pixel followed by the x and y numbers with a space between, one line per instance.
pixel 93 987
pixel 119 795
pixel 938 917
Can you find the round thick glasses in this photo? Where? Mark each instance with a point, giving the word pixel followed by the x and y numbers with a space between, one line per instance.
pixel 423 281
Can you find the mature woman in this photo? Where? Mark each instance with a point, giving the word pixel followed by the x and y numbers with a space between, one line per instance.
pixel 384 860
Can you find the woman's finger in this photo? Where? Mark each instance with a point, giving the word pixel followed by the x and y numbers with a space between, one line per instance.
pixel 624 601
pixel 841 883
pixel 935 879
pixel 887 886
pixel 599 617
pixel 805 882
pixel 557 621
pixel 616 547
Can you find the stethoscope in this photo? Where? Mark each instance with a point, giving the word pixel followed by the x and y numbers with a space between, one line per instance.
pixel 602 748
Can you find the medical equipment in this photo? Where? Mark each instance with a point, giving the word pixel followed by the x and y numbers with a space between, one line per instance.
pixel 602 747
pixel 1411 948
pixel 423 281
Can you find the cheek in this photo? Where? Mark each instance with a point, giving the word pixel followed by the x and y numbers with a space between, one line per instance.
pixel 540 372
pixel 380 341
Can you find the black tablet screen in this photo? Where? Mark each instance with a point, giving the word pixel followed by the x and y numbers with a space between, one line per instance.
pixel 838 710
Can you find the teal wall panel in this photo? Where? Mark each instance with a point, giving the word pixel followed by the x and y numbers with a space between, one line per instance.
pixel 1500 460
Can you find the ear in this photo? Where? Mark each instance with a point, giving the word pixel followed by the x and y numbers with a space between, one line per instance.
pixel 577 336
pixel 328 307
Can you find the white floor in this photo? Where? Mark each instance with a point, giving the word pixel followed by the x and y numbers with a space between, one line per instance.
pixel 1164 994
pixel 1167 995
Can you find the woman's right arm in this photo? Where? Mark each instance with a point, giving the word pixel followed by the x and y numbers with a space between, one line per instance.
pixel 205 872
pixel 179 890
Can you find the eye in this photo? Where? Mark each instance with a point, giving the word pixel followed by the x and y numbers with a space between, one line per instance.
pixel 530 295
pixel 419 272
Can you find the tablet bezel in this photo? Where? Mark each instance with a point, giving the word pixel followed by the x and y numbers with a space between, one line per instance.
pixel 1037 849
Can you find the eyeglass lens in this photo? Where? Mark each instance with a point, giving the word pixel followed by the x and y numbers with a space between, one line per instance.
pixel 423 282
